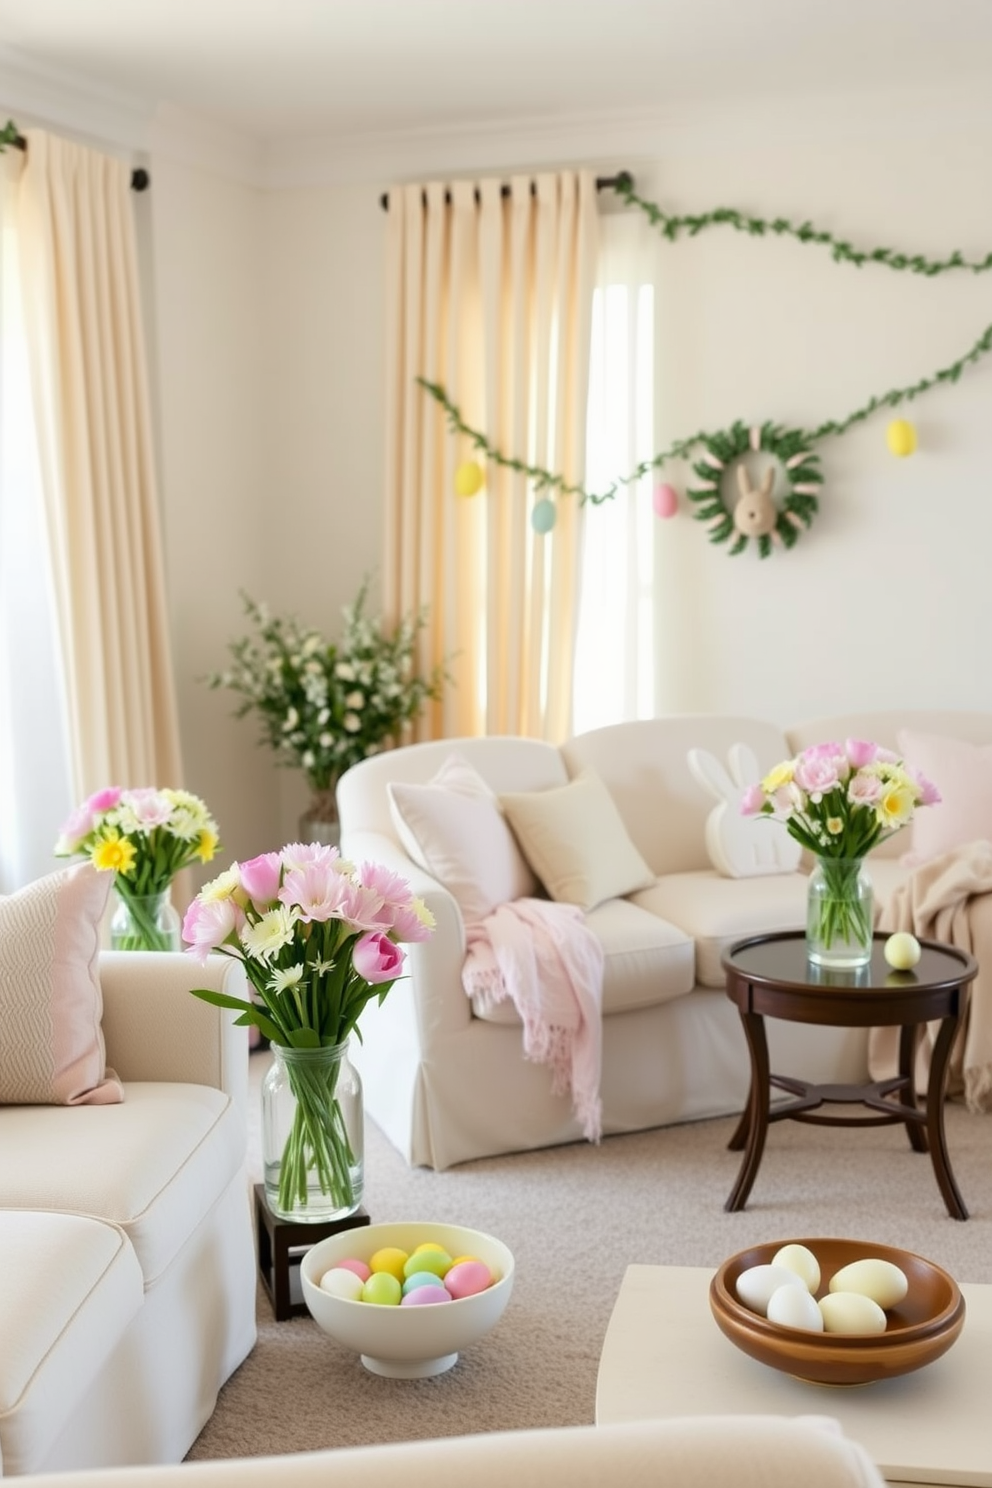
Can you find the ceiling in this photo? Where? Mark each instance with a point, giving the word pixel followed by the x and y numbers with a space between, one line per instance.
pixel 275 70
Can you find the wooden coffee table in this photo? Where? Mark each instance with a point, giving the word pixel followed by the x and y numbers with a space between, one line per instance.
pixel 663 1355
pixel 770 976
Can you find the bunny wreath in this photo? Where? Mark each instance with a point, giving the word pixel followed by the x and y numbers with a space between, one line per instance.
pixel 792 448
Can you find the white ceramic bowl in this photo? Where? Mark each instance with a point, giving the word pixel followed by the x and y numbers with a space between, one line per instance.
pixel 407 1342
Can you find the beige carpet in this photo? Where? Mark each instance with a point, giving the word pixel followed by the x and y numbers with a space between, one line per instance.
pixel 574 1218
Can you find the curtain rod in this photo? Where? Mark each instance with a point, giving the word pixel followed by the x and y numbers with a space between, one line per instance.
pixel 602 182
pixel 140 179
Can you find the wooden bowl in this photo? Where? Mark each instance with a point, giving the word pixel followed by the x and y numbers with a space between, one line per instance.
pixel 923 1326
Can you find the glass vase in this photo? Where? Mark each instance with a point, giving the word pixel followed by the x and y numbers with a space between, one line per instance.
pixel 145 922
pixel 319 823
pixel 839 914
pixel 313 1135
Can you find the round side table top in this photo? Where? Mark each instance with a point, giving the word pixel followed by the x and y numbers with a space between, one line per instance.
pixel 781 961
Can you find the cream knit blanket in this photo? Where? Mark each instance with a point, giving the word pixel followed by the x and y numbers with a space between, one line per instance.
pixel 948 899
pixel 544 957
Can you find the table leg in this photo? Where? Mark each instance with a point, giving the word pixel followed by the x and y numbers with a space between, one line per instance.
pixel 936 1091
pixel 757 1110
pixel 908 1038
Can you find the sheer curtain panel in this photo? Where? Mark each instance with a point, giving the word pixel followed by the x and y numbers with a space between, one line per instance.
pixel 82 314
pixel 490 296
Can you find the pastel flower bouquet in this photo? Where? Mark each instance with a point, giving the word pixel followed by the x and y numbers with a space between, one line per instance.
pixel 144 837
pixel 318 939
pixel 839 801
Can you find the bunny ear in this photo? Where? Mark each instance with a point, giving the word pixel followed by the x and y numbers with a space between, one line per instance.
pixel 709 773
pixel 743 765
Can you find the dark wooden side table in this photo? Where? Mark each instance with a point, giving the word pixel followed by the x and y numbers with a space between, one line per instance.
pixel 770 976
pixel 282 1244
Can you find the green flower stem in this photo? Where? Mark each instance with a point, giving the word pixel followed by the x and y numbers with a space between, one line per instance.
pixel 143 912
pixel 842 915
pixel 318 1140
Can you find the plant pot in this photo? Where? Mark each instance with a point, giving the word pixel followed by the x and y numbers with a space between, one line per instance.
pixel 319 823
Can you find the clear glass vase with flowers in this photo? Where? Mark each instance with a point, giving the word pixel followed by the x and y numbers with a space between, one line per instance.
pixel 318 939
pixel 840 800
pixel 144 837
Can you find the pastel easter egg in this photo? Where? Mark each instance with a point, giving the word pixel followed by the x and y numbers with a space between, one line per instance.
pixel 424 1295
pixel 437 1261
pixel 801 1260
pixel 340 1282
pixel 390 1258
pixel 665 501
pixel 756 1285
pixel 872 1277
pixel 419 1279
pixel 794 1307
pixel 901 437
pixel 902 951
pixel 384 1288
pixel 361 1268
pixel 543 516
pixel 850 1312
pixel 469 478
pixel 468 1278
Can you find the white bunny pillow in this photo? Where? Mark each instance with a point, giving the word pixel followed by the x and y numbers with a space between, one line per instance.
pixel 741 846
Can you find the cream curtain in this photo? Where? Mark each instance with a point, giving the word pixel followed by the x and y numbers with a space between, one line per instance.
pixel 82 314
pixel 490 296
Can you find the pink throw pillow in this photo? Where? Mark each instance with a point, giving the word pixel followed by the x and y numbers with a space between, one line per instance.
pixel 962 772
pixel 51 1003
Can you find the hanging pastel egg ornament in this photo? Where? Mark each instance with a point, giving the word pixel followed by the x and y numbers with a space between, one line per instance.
pixel 665 500
pixel 901 437
pixel 544 516
pixel 469 478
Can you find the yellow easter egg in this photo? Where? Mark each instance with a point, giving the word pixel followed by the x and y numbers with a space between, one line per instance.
pixel 469 478
pixel 902 951
pixel 391 1260
pixel 901 437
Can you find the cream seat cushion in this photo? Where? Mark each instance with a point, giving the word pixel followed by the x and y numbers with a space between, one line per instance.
pixel 72 1284
pixel 646 961
pixel 575 840
pixel 717 911
pixel 153 1164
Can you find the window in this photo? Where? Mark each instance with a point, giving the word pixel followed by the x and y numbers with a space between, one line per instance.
pixel 614 668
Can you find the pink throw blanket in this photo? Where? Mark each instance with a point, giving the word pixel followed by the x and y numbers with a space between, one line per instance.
pixel 544 957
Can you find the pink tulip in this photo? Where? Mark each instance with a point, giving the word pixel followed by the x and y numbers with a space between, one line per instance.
pixel 752 800
pixel 75 827
pixel 207 925
pixel 376 958
pixel 104 800
pixel 260 877
pixel 860 752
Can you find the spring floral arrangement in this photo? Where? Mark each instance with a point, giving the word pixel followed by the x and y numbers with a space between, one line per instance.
pixel 840 801
pixel 144 837
pixel 324 705
pixel 318 939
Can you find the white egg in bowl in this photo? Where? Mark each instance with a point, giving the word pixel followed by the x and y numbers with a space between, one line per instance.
pixel 403 1341
pixel 918 1327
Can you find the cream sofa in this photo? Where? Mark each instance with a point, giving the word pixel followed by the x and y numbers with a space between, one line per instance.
pixel 126 1241
pixel 446 1080
pixel 718 1452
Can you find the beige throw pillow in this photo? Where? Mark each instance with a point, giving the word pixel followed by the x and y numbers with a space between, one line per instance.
pixel 454 829
pixel 575 840
pixel 51 1004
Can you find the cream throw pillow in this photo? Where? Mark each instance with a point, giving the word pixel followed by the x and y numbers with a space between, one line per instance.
pixel 962 772
pixel 454 829
pixel 51 1042
pixel 575 840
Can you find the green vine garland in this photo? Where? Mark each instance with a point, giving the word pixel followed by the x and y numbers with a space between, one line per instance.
pixel 801 505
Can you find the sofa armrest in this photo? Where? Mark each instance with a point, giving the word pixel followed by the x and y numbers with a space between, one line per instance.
pixel 434 966
pixel 155 1029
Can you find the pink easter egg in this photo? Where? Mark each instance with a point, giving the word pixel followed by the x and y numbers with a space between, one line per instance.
pixel 361 1270
pixel 665 501
pixel 428 1294
pixel 467 1278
